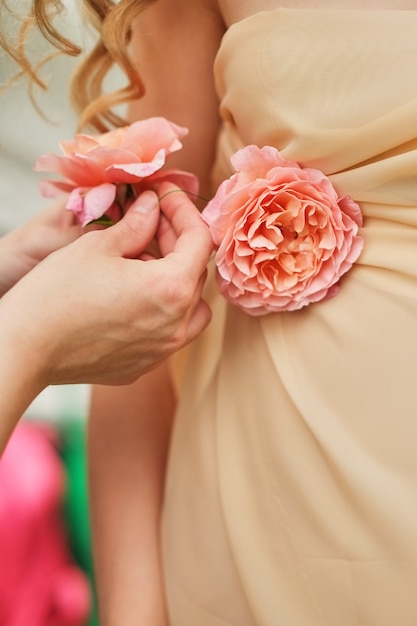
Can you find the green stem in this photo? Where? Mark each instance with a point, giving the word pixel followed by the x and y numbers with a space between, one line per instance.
pixel 189 193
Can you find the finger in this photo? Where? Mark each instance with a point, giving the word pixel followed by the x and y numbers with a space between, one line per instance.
pixel 199 320
pixel 145 256
pixel 166 236
pixel 198 310
pixel 55 214
pixel 193 240
pixel 137 228
pixel 63 237
pixel 177 206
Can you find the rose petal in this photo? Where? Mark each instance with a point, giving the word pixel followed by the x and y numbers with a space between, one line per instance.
pixel 91 204
pixel 125 155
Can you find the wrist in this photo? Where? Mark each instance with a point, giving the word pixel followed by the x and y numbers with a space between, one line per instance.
pixel 12 260
pixel 21 373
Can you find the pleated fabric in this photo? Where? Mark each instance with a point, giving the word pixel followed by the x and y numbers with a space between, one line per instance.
pixel 291 489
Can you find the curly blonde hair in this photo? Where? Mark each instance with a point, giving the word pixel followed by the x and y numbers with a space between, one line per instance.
pixel 112 21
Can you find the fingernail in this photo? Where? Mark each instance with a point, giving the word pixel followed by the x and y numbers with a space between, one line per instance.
pixel 146 203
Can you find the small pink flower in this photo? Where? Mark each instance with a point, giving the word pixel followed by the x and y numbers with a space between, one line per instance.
pixel 284 238
pixel 131 156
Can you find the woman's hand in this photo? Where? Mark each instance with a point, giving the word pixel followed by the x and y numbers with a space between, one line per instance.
pixel 22 249
pixel 93 312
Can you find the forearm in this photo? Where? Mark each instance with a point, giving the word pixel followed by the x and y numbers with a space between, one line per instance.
pixel 128 440
pixel 20 376
pixel 10 262
pixel 178 77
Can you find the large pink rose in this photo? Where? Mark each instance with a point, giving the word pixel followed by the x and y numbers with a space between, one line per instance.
pixel 97 170
pixel 283 236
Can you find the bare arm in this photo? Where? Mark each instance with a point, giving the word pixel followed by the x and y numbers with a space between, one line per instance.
pixel 174 45
pixel 23 248
pixel 126 513
pixel 93 312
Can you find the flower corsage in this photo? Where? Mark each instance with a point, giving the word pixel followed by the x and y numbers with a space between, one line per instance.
pixel 283 235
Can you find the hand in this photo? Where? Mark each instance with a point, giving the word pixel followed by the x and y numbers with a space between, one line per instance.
pixel 29 244
pixel 93 312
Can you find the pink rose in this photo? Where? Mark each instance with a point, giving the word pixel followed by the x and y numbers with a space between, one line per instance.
pixel 104 172
pixel 284 237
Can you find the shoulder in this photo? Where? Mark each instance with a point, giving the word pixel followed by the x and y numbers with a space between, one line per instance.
pixel 178 14
pixel 166 31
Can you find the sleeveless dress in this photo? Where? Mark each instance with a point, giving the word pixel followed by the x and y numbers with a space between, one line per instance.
pixel 291 487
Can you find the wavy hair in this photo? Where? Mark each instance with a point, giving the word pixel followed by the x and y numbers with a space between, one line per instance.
pixel 112 20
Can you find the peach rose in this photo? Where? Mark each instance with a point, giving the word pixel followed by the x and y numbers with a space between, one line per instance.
pixel 283 236
pixel 101 171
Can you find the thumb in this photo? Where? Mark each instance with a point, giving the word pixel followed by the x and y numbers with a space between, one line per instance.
pixel 138 226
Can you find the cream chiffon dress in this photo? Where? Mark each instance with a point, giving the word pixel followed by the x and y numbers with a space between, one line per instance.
pixel 291 493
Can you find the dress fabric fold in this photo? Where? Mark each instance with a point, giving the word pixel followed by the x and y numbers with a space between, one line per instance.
pixel 291 486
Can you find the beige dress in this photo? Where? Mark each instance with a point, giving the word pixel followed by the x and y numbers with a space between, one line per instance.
pixel 291 495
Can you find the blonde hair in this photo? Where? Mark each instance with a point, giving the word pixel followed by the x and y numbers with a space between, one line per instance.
pixel 112 21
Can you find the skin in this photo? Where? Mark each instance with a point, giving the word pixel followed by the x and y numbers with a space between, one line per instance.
pixel 101 310
pixel 23 248
pixel 179 86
